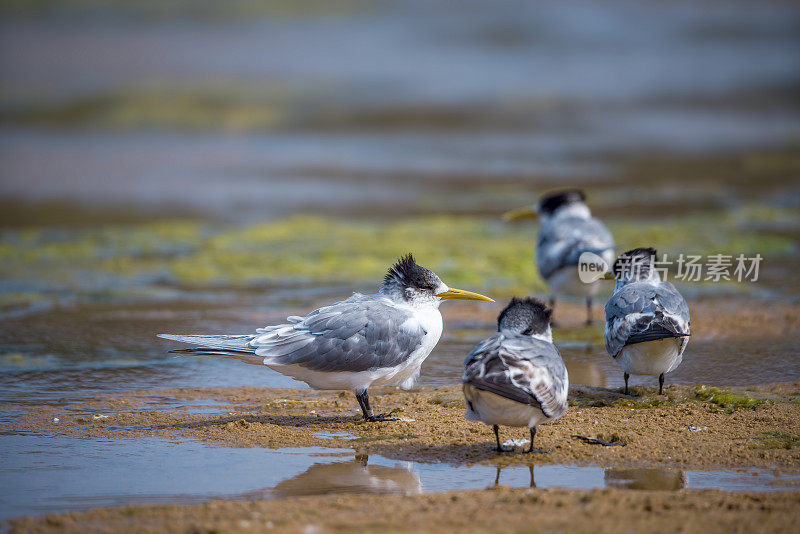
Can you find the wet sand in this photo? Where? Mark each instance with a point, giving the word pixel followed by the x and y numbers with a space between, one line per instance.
pixel 695 426
pixel 468 511
pixel 689 426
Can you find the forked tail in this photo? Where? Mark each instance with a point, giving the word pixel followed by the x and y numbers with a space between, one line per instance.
pixel 226 346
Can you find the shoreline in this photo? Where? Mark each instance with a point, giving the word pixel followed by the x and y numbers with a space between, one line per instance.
pixel 690 427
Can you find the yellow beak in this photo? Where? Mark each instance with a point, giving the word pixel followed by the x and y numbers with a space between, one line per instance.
pixel 608 276
pixel 525 212
pixel 460 294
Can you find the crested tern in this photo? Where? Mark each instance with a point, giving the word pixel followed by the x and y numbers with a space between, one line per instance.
pixel 366 340
pixel 567 231
pixel 647 319
pixel 517 377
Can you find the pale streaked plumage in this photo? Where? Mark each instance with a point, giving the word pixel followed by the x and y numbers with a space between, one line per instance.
pixel 647 319
pixel 517 377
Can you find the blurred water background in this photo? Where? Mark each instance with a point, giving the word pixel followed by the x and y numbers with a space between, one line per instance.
pixel 214 167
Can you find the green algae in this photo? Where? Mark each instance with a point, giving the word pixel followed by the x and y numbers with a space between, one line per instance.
pixel 779 440
pixel 220 106
pixel 468 252
pixel 640 398
pixel 482 254
pixel 727 401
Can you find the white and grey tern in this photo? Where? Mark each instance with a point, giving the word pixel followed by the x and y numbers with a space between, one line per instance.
pixel 517 377
pixel 366 340
pixel 647 319
pixel 567 231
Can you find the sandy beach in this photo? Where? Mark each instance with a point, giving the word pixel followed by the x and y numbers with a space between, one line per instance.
pixel 695 427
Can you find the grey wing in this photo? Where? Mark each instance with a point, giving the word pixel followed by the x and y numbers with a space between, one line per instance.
pixel 643 312
pixel 561 246
pixel 522 369
pixel 358 334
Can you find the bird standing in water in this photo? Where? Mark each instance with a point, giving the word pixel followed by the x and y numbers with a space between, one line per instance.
pixel 567 231
pixel 647 319
pixel 363 341
pixel 517 377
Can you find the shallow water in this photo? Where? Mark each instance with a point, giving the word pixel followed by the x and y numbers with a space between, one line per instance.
pixel 76 354
pixel 120 354
pixel 55 474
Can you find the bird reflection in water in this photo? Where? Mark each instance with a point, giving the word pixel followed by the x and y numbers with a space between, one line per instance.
pixel 646 479
pixel 497 476
pixel 355 476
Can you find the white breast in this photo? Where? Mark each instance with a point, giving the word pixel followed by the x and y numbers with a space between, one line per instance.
pixel 406 374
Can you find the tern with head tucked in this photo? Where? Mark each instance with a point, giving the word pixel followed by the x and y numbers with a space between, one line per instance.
pixel 647 319
pixel 363 341
pixel 517 377
pixel 567 231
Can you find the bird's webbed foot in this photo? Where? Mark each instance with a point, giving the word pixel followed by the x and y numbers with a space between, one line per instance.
pixel 381 417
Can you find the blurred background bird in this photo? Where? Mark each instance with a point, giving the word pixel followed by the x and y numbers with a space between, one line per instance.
pixel 567 231
pixel 647 319
pixel 517 377
pixel 365 340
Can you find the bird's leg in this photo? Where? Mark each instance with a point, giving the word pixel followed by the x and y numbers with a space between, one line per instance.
pixel 626 376
pixel 499 447
pixel 363 400
pixel 539 450
pixel 661 384
pixel 588 311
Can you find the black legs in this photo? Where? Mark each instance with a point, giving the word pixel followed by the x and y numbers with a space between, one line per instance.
pixel 531 450
pixel 499 447
pixel 660 383
pixel 588 311
pixel 363 401
pixel 533 435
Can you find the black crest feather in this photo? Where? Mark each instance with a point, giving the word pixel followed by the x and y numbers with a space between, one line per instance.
pixel 526 316
pixel 407 273
pixel 636 261
pixel 550 202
